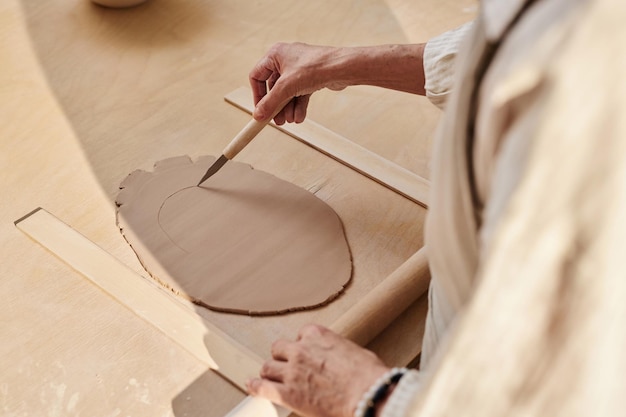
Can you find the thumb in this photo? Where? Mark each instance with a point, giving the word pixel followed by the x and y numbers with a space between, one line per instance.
pixel 260 112
pixel 273 102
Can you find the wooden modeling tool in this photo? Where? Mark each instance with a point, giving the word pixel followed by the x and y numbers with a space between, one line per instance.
pixel 239 142
pixel 235 146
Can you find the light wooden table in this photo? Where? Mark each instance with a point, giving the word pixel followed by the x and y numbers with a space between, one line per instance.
pixel 88 94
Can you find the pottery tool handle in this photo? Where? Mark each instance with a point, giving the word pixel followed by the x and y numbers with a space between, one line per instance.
pixel 244 137
pixel 249 132
pixel 373 313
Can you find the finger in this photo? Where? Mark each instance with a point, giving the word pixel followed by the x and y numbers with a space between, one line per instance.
pixel 268 106
pixel 300 108
pixel 271 81
pixel 274 101
pixel 258 76
pixel 274 370
pixel 311 331
pixel 280 116
pixel 259 90
pixel 282 349
pixel 279 119
pixel 266 389
pixel 289 110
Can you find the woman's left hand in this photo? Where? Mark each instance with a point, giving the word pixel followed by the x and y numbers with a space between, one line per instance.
pixel 319 374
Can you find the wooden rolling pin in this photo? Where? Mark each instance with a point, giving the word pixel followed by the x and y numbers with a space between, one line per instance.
pixel 372 314
pixel 363 321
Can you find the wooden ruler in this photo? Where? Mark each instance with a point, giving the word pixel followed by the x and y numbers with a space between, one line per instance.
pixel 177 320
pixel 172 316
pixel 362 160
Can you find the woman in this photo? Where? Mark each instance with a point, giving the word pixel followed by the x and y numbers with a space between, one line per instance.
pixel 526 215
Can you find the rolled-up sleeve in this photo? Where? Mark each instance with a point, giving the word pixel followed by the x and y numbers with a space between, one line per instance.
pixel 439 63
pixel 400 401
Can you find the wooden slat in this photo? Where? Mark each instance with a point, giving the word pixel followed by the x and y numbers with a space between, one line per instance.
pixel 370 164
pixel 202 339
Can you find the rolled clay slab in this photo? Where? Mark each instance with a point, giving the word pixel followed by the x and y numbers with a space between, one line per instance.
pixel 118 3
pixel 244 242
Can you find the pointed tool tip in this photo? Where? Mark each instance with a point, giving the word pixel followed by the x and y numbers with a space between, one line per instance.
pixel 213 168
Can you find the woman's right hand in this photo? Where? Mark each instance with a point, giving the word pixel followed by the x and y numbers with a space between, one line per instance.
pixel 284 79
pixel 289 73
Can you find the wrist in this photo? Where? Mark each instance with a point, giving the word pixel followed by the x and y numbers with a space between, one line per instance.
pixel 372 402
pixel 381 405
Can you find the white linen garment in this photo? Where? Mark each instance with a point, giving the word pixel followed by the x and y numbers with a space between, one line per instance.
pixel 526 231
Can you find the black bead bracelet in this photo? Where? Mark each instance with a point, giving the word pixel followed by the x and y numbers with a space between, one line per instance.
pixel 378 392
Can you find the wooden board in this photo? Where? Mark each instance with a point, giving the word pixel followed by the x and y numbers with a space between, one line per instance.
pixel 361 323
pixel 90 94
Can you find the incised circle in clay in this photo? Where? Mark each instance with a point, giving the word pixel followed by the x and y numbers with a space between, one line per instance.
pixel 244 242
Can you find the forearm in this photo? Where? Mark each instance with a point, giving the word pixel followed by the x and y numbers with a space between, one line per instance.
pixel 291 72
pixel 397 67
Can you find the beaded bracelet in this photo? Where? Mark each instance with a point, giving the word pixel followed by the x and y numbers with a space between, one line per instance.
pixel 377 392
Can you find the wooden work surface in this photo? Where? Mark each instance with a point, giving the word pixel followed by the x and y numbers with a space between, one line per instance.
pixel 89 94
